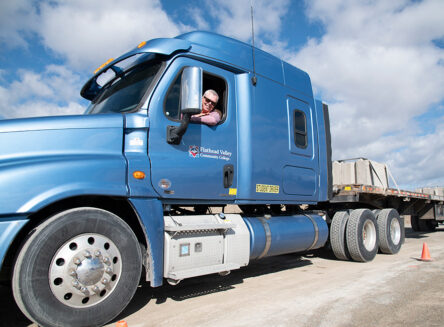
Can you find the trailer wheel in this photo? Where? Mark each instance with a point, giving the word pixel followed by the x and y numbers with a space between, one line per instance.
pixel 426 225
pixel 362 235
pixel 422 225
pixel 337 235
pixel 391 231
pixel 79 268
pixel 414 221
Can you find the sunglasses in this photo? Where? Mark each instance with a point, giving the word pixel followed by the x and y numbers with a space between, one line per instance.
pixel 210 101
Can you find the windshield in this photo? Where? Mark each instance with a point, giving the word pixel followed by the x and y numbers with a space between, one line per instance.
pixel 125 93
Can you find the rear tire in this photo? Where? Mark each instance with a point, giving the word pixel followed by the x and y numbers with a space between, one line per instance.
pixel 390 230
pixel 414 222
pixel 362 235
pixel 79 268
pixel 337 235
pixel 422 225
pixel 427 225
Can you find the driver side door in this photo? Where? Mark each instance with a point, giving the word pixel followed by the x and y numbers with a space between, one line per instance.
pixel 195 169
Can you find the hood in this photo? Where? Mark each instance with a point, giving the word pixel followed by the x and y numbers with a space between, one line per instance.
pixel 46 159
pixel 31 138
pixel 61 122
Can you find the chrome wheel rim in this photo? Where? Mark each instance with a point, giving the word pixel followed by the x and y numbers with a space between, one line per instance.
pixel 85 270
pixel 395 231
pixel 369 235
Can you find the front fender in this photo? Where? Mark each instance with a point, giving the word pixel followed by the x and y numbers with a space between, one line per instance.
pixel 33 185
pixel 47 159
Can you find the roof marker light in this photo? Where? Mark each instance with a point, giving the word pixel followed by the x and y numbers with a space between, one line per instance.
pixel 103 65
pixel 142 44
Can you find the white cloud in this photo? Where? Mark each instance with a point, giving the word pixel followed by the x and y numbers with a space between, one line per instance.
pixel 18 18
pixel 87 33
pixel 391 23
pixel 378 68
pixel 419 162
pixel 54 92
pixel 199 17
pixel 233 17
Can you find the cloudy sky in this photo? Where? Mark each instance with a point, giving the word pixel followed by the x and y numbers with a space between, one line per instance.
pixel 378 64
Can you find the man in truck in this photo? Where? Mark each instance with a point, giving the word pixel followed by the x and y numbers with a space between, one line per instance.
pixel 209 115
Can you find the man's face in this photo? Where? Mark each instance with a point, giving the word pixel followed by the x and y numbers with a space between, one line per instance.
pixel 209 101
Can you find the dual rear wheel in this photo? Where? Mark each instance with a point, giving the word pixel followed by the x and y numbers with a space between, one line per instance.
pixel 358 234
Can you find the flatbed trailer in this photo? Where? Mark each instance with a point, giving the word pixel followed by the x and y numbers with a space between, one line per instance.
pixel 426 211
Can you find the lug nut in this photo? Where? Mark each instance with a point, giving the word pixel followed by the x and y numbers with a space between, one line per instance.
pixel 104 281
pixel 77 261
pixel 96 289
pixel 109 270
pixel 84 290
pixel 87 254
pixel 97 253
pixel 106 260
pixel 72 273
pixel 76 283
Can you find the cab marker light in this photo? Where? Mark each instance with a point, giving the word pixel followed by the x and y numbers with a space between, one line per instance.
pixel 138 174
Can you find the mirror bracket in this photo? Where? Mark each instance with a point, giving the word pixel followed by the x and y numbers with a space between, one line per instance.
pixel 175 133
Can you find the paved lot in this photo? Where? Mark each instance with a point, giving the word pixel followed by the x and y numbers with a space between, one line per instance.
pixel 295 290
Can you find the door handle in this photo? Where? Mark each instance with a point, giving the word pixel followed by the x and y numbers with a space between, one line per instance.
pixel 228 175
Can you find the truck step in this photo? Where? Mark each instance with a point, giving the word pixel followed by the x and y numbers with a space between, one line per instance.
pixel 202 271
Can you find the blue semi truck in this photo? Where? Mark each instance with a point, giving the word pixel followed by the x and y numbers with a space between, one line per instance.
pixel 89 204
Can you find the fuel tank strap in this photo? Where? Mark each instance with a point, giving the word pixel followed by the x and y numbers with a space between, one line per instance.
pixel 267 236
pixel 315 225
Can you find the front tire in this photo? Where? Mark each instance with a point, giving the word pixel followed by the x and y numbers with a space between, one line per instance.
pixel 81 267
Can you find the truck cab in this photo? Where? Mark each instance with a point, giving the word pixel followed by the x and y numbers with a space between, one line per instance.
pixel 87 201
pixel 269 132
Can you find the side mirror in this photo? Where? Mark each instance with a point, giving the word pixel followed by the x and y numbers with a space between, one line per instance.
pixel 191 91
pixel 190 102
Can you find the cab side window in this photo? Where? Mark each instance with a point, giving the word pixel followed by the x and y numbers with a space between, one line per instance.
pixel 210 81
pixel 300 129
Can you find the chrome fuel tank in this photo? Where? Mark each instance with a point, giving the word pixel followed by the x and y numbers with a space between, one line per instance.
pixel 285 234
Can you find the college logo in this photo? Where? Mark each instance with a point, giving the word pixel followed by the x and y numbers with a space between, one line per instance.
pixel 193 151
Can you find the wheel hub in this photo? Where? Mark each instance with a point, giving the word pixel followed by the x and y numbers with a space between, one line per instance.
pixel 395 231
pixel 85 270
pixel 369 235
pixel 90 271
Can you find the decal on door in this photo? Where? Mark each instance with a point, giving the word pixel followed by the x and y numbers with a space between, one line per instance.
pixel 195 151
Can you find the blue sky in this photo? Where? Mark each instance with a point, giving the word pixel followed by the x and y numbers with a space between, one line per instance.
pixel 378 64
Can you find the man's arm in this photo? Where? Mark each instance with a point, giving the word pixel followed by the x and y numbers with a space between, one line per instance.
pixel 213 118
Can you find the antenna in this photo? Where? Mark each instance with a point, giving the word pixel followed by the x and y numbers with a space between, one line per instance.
pixel 254 78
